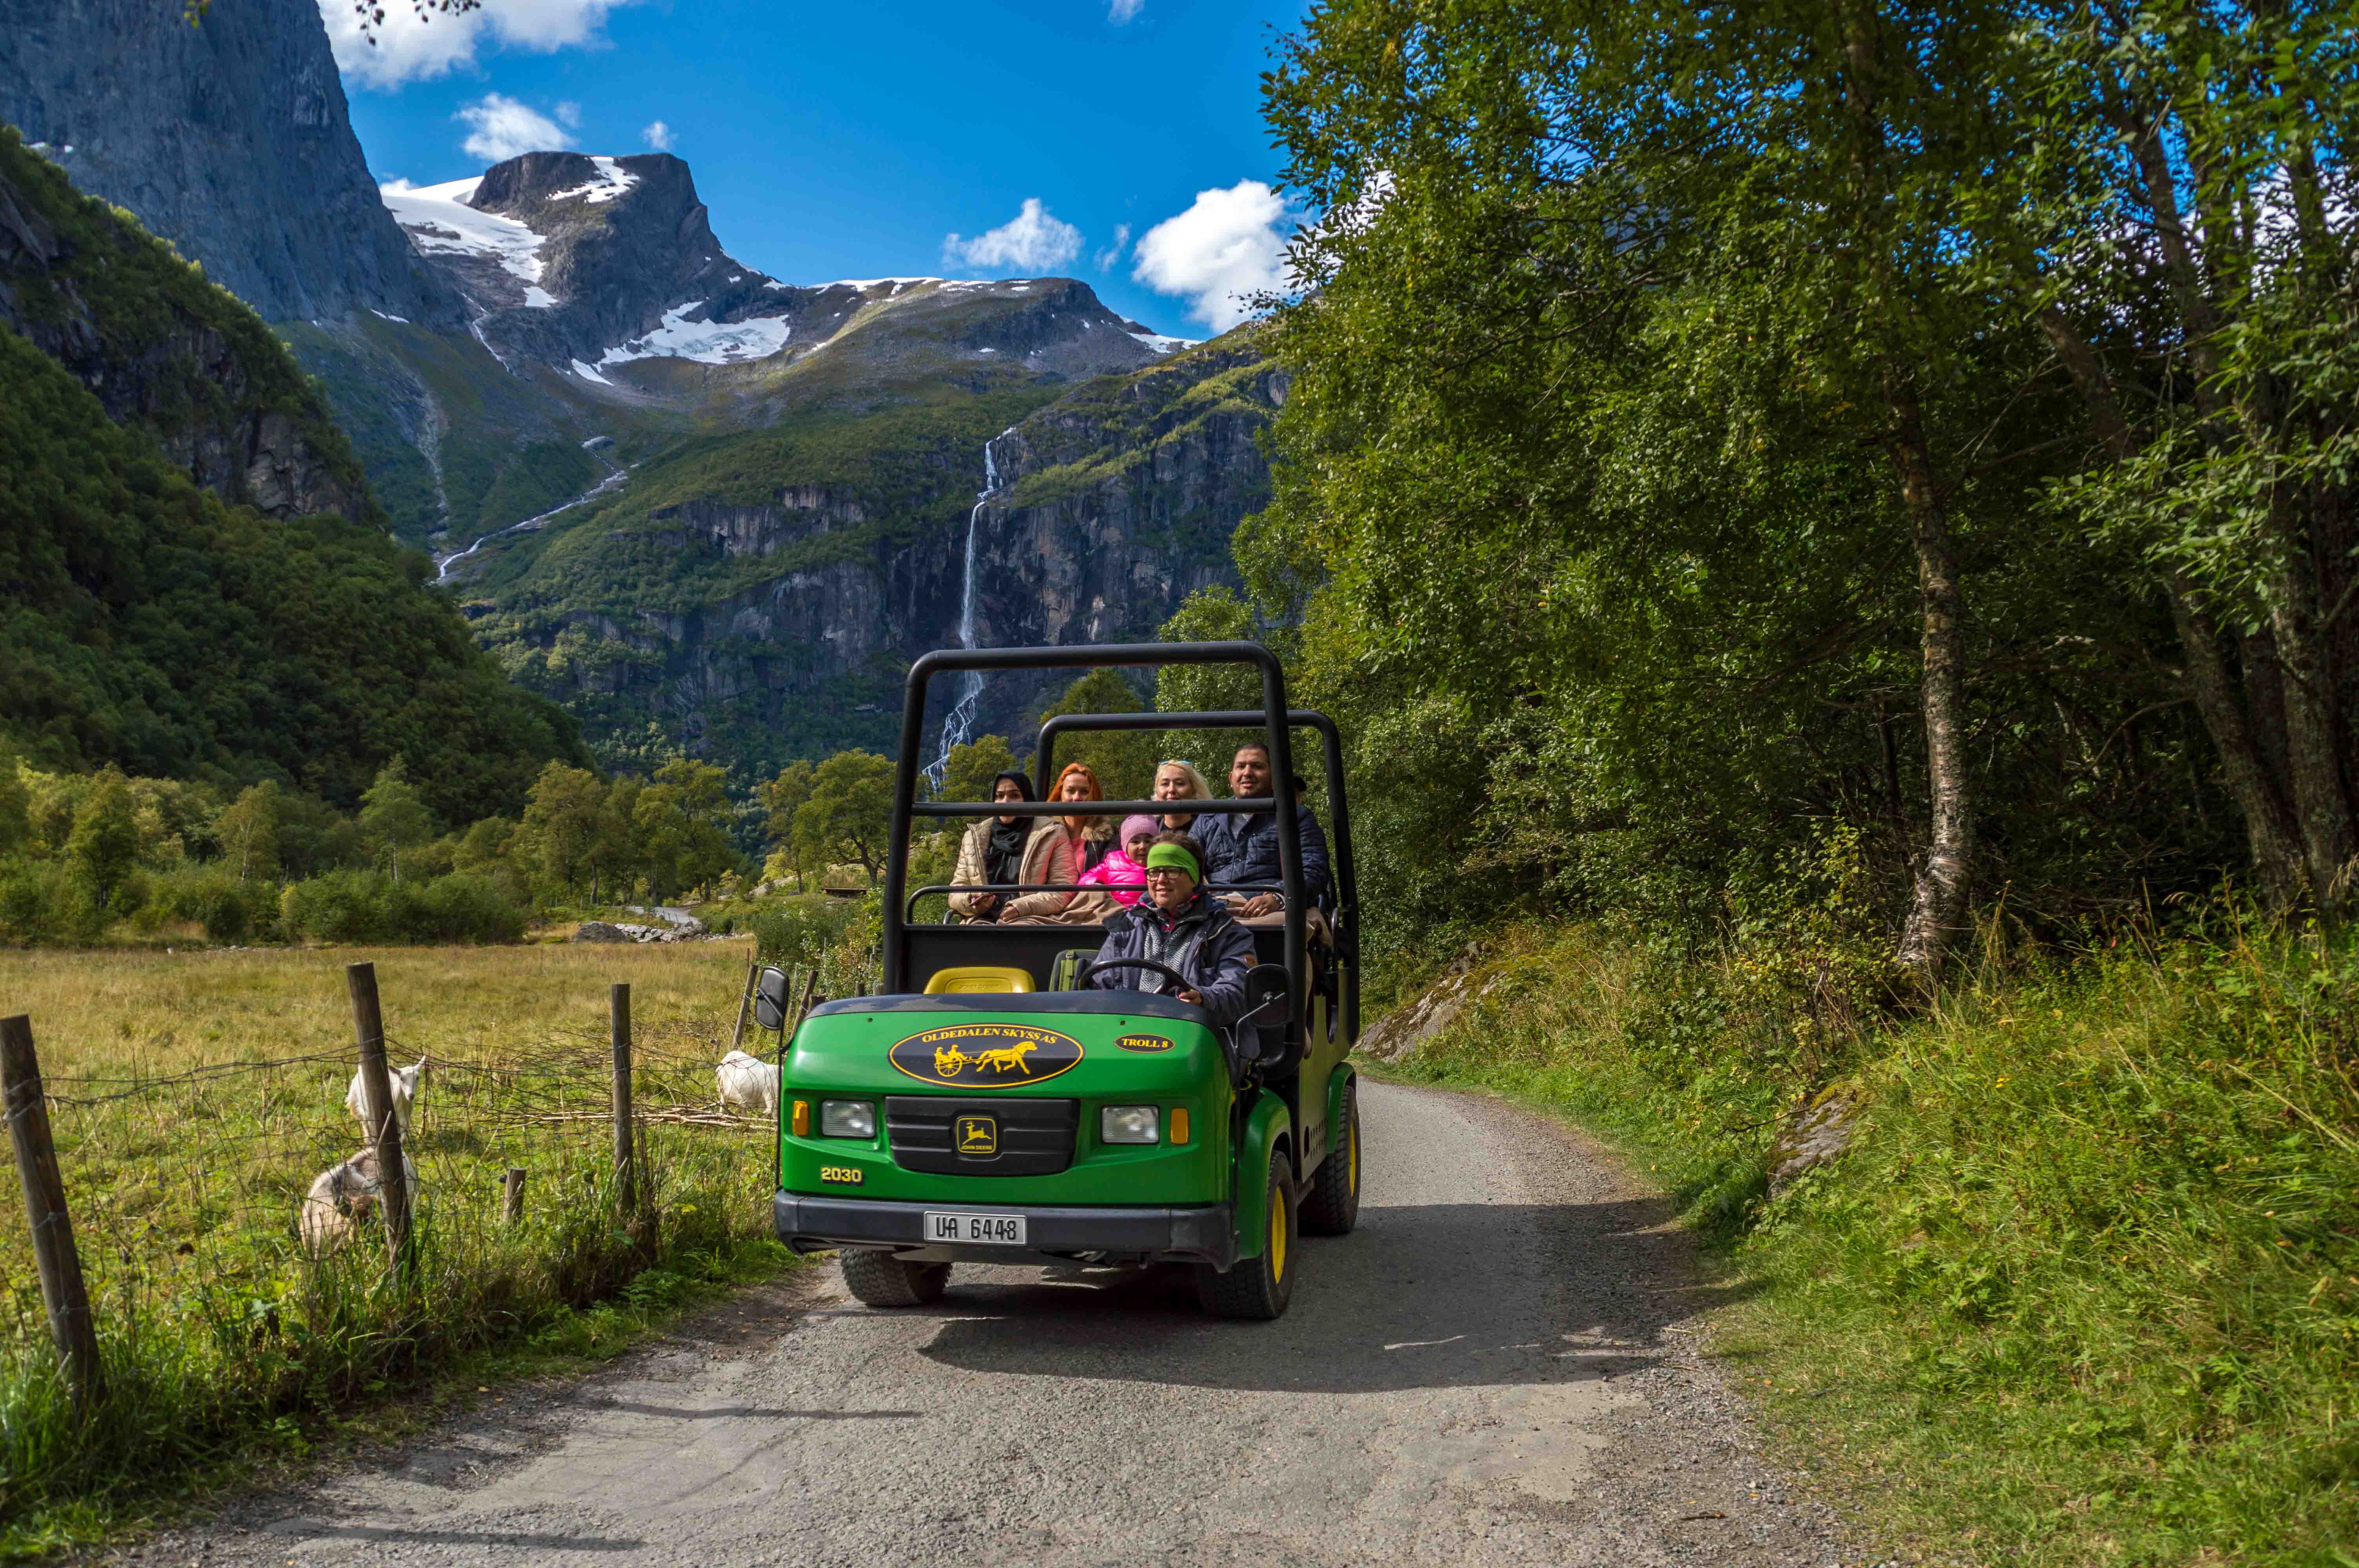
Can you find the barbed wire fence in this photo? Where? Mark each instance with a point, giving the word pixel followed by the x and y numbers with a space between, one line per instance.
pixel 161 1241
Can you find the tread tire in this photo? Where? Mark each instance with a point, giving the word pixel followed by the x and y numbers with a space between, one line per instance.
pixel 880 1279
pixel 1332 1205
pixel 1253 1290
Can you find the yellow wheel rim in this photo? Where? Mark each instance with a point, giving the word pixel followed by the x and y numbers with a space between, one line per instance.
pixel 1351 1138
pixel 1276 1232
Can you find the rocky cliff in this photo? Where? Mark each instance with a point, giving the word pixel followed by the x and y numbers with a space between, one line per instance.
pixel 752 626
pixel 228 138
pixel 166 350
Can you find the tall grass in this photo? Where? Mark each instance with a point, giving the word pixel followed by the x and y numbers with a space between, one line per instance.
pixel 2086 1288
pixel 195 1098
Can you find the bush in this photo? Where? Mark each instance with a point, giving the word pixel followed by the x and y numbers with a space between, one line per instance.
pixel 795 935
pixel 459 907
pixel 229 910
pixel 42 900
pixel 369 906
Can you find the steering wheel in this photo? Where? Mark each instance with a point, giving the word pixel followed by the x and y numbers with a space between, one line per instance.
pixel 1180 981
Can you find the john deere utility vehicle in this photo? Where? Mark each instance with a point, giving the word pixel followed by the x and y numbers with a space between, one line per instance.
pixel 992 1106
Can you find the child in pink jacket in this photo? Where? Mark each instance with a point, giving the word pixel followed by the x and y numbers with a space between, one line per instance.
pixel 1125 867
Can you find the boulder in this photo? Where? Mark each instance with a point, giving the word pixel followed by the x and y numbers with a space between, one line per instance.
pixel 1812 1134
pixel 1411 1026
pixel 600 931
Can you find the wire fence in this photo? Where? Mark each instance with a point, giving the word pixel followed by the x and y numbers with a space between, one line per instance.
pixel 187 1189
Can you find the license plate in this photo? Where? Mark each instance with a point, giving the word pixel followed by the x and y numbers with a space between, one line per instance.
pixel 990 1229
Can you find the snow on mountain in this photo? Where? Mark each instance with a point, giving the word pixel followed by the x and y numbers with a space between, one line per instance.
pixel 440 222
pixel 706 342
pixel 612 180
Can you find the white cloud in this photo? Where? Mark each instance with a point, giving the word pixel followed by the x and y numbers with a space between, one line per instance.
pixel 503 128
pixel 569 114
pixel 1227 247
pixel 1112 252
pixel 1036 240
pixel 1122 11
pixel 411 47
pixel 657 136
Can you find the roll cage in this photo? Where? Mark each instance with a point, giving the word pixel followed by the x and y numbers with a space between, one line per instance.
pixel 912 953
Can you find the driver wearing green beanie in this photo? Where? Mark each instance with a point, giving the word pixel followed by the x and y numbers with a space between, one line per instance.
pixel 1177 927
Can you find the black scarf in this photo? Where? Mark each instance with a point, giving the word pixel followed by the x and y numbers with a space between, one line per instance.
pixel 1003 859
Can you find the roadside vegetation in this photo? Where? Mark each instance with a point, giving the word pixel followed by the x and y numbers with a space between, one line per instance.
pixel 195 1097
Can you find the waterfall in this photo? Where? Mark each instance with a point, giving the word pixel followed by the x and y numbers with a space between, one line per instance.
pixel 958 727
pixel 614 476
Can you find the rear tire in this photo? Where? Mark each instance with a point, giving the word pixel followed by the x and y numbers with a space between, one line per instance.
pixel 881 1279
pixel 1331 1207
pixel 1257 1289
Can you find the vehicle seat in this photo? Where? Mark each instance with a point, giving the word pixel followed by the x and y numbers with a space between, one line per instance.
pixel 979 977
pixel 1065 975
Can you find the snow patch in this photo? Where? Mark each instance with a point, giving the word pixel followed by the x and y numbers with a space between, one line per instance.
pixel 388 316
pixel 539 299
pixel 1156 342
pixel 610 180
pixel 590 373
pixel 706 342
pixel 864 284
pixel 774 283
pixel 440 222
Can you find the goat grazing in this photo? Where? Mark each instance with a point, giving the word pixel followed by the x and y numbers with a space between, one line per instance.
pixel 406 1083
pixel 748 1082
pixel 343 1197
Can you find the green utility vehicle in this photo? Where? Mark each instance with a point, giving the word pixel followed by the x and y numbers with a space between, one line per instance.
pixel 992 1106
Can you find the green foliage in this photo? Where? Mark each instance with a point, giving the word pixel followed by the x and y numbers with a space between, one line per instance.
pixel 105 846
pixel 798 934
pixel 354 906
pixel 677 823
pixel 969 768
pixel 2085 1279
pixel 149 625
pixel 850 812
pixel 1125 763
pixel 394 819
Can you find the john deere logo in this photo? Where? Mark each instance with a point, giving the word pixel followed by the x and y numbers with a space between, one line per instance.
pixel 1143 1042
pixel 978 1136
pixel 986 1055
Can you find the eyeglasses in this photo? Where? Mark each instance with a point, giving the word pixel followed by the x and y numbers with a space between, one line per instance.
pixel 1154 872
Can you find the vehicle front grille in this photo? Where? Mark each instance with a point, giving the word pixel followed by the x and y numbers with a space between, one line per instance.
pixel 935 1133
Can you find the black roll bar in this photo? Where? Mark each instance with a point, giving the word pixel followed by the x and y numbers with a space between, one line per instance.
pixel 907 806
pixel 1339 819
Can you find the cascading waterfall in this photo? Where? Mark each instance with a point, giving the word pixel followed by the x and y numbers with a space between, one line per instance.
pixel 957 727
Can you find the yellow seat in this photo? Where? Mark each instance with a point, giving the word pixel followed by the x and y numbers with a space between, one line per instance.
pixel 967 978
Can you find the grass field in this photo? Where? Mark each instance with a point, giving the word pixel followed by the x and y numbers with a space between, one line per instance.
pixel 194 1097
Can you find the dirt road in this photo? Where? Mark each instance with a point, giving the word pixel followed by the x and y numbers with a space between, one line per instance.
pixel 1498 1367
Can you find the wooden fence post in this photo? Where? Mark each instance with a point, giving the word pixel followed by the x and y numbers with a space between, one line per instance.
pixel 744 1005
pixel 512 1203
pixel 377 1099
pixel 618 1007
pixel 44 1209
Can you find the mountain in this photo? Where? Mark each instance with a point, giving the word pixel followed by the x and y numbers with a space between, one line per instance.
pixel 194 581
pixel 228 137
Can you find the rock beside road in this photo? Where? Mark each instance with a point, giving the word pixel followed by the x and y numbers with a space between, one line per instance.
pixel 611 931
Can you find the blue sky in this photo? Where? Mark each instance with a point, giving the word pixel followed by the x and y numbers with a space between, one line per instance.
pixel 852 140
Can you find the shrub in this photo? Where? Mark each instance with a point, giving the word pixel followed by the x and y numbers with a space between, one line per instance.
pixel 796 935
pixel 339 906
pixel 209 895
pixel 459 907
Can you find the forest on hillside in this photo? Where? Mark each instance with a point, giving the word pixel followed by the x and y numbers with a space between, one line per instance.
pixel 1896 458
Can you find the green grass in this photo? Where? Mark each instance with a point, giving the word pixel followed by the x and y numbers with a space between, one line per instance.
pixel 2086 1289
pixel 223 1339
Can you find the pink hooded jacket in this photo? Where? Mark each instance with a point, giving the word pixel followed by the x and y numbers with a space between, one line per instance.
pixel 1117 871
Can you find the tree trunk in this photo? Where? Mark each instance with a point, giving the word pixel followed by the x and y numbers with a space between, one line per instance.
pixel 1938 911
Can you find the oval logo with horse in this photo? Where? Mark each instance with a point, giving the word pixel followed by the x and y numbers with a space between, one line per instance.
pixel 986 1055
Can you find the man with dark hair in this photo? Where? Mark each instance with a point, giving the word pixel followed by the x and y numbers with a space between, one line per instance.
pixel 1242 847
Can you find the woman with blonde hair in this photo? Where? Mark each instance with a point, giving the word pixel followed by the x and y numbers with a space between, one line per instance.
pixel 1179 778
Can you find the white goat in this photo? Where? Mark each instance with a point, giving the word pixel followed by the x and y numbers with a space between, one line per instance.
pixel 341 1198
pixel 404 1083
pixel 748 1081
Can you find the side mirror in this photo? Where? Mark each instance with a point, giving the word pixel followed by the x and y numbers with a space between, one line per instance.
pixel 770 999
pixel 1269 994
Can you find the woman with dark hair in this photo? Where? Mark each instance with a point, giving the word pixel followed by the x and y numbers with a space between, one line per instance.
pixel 1012 851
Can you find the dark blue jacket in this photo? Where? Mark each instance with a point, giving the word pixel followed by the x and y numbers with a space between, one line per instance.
pixel 1205 944
pixel 1240 849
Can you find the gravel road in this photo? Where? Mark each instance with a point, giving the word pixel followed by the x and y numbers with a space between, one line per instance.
pixel 1499 1366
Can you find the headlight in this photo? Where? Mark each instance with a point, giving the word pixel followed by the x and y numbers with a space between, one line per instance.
pixel 1128 1124
pixel 847 1118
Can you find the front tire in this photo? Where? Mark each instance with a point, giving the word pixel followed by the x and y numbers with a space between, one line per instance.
pixel 880 1279
pixel 1331 1207
pixel 1257 1289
